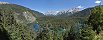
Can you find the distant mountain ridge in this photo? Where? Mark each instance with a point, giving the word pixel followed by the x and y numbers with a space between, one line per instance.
pixel 75 12
pixel 67 11
pixel 4 3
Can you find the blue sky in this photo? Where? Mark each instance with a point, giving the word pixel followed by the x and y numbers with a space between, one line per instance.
pixel 46 5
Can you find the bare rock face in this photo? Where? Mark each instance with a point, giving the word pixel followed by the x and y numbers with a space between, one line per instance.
pixel 24 17
pixel 29 17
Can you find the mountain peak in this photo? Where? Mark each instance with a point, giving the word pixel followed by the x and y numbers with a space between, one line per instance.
pixel 51 12
pixel 4 3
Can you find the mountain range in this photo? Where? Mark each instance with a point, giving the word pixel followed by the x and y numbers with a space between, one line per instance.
pixel 17 21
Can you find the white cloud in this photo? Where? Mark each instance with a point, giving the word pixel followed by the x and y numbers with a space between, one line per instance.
pixel 98 2
pixel 80 6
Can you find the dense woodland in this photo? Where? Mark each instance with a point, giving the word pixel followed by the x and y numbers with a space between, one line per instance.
pixel 84 25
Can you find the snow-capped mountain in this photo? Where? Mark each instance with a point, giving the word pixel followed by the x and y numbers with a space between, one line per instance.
pixel 4 3
pixel 51 12
pixel 68 11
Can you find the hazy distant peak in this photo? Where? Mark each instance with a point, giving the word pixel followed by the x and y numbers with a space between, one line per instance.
pixel 4 3
pixel 51 12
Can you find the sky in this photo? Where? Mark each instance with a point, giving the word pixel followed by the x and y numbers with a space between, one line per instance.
pixel 47 5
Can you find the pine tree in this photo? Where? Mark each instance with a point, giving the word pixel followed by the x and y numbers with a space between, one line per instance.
pixel 96 19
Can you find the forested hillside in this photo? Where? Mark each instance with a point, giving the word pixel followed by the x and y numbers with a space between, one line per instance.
pixel 17 23
pixel 83 25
